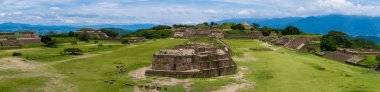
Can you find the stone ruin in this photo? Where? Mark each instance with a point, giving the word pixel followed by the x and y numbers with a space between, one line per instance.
pixel 342 57
pixel 246 26
pixel 358 52
pixel 193 60
pixel 254 35
pixel 291 43
pixel 135 39
pixel 194 32
pixel 94 34
pixel 13 39
pixel 298 43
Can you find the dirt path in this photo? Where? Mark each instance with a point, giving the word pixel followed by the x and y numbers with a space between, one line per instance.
pixel 245 58
pixel 242 83
pixel 31 69
pixel 17 63
pixel 139 74
pixel 274 48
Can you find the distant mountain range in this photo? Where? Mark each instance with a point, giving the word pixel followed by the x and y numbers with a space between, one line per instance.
pixel 361 26
pixel 353 25
pixel 42 29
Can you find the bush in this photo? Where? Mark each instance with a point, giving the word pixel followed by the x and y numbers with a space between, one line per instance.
pixel 73 51
pixel 96 41
pixel 125 42
pixel 291 30
pixel 100 45
pixel 150 34
pixel 48 41
pixel 16 54
pixel 335 39
pixel 238 27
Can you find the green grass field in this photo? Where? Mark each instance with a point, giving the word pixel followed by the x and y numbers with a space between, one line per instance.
pixel 269 69
pixel 284 70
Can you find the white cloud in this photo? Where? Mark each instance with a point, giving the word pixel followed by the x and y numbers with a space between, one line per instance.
pixel 17 12
pixel 173 11
pixel 211 11
pixel 3 14
pixel 54 8
pixel 246 12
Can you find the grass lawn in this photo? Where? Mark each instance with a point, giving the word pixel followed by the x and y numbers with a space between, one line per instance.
pixel 370 60
pixel 40 53
pixel 284 70
pixel 270 69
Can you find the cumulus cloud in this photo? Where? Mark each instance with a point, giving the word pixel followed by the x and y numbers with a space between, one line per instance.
pixel 171 11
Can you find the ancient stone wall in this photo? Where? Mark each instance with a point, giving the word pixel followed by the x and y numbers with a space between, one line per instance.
pixel 356 52
pixel 337 56
pixel 29 40
pixel 192 60
pixel 196 32
pixel 240 36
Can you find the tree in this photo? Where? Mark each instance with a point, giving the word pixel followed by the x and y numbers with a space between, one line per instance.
pixel 205 23
pixel 49 42
pixel 161 27
pixel 255 25
pixel 291 30
pixel 363 43
pixel 378 57
pixel 110 33
pixel 73 51
pixel 334 40
pixel 150 33
pixel 238 27
pixel 265 31
pixel 71 34
pixel 85 36
pixel 180 25
pixel 213 24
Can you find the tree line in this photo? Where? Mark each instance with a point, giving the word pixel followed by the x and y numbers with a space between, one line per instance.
pixel 328 42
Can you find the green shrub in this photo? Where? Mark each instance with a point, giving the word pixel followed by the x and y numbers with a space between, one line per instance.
pixel 16 54
pixel 96 41
pixel 73 51
pixel 125 42
pixel 100 45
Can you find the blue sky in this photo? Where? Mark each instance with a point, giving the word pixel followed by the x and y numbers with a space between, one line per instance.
pixel 89 12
